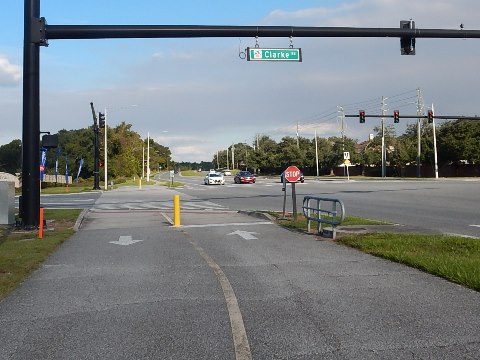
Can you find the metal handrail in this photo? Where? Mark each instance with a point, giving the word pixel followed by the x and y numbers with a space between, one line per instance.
pixel 315 212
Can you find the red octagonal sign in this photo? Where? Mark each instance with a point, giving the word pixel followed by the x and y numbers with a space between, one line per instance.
pixel 292 174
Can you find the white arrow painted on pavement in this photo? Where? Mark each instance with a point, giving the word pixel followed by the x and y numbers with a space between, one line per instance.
pixel 125 240
pixel 247 235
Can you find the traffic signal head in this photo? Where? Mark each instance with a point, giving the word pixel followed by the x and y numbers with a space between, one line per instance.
pixel 407 43
pixel 101 120
pixel 430 116
pixel 361 115
pixel 396 116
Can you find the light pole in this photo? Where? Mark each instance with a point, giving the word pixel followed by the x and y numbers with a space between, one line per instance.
pixel 105 157
pixel 105 153
pixel 148 156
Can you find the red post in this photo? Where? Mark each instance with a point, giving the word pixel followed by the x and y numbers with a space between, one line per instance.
pixel 40 227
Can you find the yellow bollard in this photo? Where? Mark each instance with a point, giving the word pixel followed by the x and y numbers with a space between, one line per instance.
pixel 176 210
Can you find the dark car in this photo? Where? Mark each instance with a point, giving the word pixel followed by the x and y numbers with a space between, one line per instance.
pixel 302 179
pixel 244 177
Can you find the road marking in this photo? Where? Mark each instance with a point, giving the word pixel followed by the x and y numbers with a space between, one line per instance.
pixel 462 235
pixel 125 240
pixel 240 340
pixel 228 224
pixel 475 226
pixel 170 221
pixel 247 235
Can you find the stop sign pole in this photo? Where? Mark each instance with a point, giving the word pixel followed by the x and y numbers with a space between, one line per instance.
pixel 292 175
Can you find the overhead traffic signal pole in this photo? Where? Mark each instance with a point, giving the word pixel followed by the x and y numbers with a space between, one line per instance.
pixel 37 33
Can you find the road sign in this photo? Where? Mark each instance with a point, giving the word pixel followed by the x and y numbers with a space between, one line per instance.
pixel 288 54
pixel 292 174
pixel 346 155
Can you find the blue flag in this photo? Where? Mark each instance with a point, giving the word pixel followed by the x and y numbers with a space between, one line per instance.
pixel 43 160
pixel 59 151
pixel 66 169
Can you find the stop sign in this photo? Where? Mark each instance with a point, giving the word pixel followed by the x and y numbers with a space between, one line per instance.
pixel 292 174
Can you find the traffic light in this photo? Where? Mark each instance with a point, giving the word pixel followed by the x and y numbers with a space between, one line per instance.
pixel 407 43
pixel 101 120
pixel 361 115
pixel 430 116
pixel 396 116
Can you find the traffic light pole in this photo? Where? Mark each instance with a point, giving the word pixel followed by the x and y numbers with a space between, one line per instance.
pixel 37 33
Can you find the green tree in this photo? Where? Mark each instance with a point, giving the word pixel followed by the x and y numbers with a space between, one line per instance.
pixel 125 149
pixel 459 140
pixel 290 153
pixel 11 157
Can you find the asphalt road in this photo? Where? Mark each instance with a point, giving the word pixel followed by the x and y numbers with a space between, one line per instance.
pixel 447 206
pixel 224 285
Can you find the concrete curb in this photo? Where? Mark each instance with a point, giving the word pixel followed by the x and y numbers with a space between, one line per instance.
pixel 79 221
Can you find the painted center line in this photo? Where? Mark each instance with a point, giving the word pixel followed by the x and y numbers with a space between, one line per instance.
pixel 475 226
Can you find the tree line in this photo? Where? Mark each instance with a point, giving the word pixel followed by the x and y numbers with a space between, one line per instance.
pixel 458 142
pixel 126 152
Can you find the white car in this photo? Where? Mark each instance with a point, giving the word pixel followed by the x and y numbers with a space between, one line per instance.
pixel 227 173
pixel 214 178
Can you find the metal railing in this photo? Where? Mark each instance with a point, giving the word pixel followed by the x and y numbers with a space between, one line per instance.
pixel 323 211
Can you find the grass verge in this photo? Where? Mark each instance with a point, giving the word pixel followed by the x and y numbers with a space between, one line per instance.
pixel 454 258
pixel 192 173
pixel 21 252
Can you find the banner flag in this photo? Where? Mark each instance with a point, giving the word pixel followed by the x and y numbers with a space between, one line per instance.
pixel 43 160
pixel 59 151
pixel 79 169
pixel 66 169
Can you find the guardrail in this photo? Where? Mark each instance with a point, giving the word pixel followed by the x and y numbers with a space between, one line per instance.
pixel 323 211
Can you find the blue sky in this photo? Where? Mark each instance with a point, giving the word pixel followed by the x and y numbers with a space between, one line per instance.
pixel 197 96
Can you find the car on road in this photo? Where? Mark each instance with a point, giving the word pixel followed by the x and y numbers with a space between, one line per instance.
pixel 214 178
pixel 244 177
pixel 302 178
pixel 227 173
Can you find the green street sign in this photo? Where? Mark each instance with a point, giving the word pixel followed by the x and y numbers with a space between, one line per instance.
pixel 288 54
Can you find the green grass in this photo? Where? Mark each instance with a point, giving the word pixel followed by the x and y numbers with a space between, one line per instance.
pixel 23 252
pixel 64 190
pixel 301 223
pixel 454 258
pixel 170 184
pixel 192 173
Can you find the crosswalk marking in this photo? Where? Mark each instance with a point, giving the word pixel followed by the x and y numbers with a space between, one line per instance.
pixel 160 205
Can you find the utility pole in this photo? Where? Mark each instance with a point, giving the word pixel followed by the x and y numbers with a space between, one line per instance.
pixel 383 136
pixel 435 145
pixel 96 143
pixel 298 142
pixel 105 153
pixel 148 156
pixel 342 118
pixel 233 156
pixel 419 135
pixel 316 152
pixel 228 165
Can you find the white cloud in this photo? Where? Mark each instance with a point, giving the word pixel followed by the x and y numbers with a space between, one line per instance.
pixel 207 98
pixel 10 74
